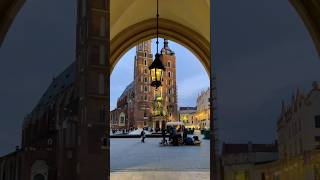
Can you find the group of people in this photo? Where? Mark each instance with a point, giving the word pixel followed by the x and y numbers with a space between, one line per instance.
pixel 123 131
pixel 177 136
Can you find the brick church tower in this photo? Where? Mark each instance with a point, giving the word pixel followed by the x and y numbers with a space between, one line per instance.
pixel 169 85
pixel 144 93
pixel 139 103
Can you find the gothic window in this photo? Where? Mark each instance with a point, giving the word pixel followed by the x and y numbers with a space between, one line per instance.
pixel 146 98
pixel 122 119
pixel 145 71
pixel 145 62
pixel 145 79
pixel 145 112
pixel 169 74
pixel 145 54
pixel 168 64
pixel 145 88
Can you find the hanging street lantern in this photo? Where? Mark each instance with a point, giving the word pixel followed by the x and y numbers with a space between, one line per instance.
pixel 156 71
pixel 157 68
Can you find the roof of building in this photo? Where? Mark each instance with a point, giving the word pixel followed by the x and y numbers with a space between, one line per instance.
pixel 247 148
pixel 187 108
pixel 128 88
pixel 58 84
pixel 298 99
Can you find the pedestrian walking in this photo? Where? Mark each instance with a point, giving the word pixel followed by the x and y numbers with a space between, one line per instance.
pixel 163 132
pixel 143 136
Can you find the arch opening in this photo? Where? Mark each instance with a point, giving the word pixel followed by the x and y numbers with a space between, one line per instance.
pixel 168 29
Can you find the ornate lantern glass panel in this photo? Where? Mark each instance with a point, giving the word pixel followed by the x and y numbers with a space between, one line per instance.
pixel 156 71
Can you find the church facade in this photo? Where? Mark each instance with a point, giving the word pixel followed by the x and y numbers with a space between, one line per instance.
pixel 138 105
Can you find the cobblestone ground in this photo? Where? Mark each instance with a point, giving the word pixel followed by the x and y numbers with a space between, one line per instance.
pixel 130 159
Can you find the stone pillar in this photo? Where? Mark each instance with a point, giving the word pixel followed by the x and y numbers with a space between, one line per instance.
pixel 92 82
pixel 214 161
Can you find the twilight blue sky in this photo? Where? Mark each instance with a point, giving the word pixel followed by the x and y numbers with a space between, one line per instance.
pixel 191 75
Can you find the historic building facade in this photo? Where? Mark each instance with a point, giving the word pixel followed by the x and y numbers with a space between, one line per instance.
pixel 49 135
pixel 187 115
pixel 298 144
pixel 239 161
pixel 298 130
pixel 137 106
pixel 203 109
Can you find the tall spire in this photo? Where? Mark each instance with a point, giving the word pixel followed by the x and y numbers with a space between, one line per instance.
pixel 165 44
pixel 166 49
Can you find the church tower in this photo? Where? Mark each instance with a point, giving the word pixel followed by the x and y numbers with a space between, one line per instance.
pixel 144 93
pixel 169 86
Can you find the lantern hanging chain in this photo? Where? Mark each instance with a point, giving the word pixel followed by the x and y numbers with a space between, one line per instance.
pixel 157 26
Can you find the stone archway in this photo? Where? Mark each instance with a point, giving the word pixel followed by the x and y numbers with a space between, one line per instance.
pixel 309 11
pixel 145 30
